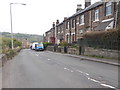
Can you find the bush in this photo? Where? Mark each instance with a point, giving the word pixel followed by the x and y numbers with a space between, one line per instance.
pixel 46 44
pixel 6 44
pixel 63 44
pixel 74 46
pixel 10 54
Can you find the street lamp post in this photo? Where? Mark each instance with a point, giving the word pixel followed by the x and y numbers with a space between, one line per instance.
pixel 11 22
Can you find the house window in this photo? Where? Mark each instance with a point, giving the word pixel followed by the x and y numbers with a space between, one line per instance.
pixel 73 23
pixel 108 8
pixel 67 24
pixel 97 15
pixel 82 19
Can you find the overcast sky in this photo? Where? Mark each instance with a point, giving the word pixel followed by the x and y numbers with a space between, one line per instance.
pixel 37 16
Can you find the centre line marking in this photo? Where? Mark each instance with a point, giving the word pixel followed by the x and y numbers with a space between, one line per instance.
pixel 65 68
pixel 36 54
pixel 107 85
pixel 48 59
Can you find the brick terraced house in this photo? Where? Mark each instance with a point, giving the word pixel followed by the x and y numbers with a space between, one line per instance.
pixel 102 15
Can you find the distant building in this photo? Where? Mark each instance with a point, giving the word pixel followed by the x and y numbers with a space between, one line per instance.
pixel 25 43
pixel 50 35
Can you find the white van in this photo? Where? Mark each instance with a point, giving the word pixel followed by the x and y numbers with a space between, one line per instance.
pixel 33 45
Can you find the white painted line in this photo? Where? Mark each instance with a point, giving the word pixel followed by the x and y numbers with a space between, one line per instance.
pixel 65 68
pixel 68 69
pixel 95 80
pixel 86 74
pixel 83 72
pixel 79 71
pixel 107 85
pixel 88 78
pixel 36 54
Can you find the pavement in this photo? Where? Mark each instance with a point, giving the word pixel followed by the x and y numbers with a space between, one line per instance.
pixel 101 60
pixel 95 59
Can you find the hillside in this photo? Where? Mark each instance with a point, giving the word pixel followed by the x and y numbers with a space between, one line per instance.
pixel 21 36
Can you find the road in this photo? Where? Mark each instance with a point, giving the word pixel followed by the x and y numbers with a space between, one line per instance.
pixel 31 69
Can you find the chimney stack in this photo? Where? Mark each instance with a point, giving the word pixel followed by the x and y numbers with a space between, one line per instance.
pixel 65 18
pixel 79 7
pixel 87 3
pixel 53 24
pixel 57 22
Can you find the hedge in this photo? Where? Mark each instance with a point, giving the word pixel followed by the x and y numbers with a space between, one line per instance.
pixel 103 39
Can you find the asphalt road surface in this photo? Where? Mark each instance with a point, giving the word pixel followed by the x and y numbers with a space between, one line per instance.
pixel 31 69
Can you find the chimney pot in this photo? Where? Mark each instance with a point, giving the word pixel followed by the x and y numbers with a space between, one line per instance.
pixel 79 7
pixel 53 24
pixel 87 3
pixel 65 18
pixel 57 22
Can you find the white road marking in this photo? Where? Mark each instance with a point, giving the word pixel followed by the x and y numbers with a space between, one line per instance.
pixel 65 68
pixel 82 72
pixel 87 74
pixel 107 85
pixel 48 59
pixel 79 71
pixel 95 80
pixel 88 78
pixel 68 69
pixel 36 54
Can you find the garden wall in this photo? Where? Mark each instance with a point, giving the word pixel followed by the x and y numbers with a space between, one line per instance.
pixel 88 51
pixel 101 52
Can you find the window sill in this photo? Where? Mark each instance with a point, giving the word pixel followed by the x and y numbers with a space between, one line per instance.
pixel 73 28
pixel 96 21
pixel 82 24
pixel 108 14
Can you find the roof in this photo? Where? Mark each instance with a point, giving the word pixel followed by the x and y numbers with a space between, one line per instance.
pixel 59 24
pixel 87 9
pixel 103 25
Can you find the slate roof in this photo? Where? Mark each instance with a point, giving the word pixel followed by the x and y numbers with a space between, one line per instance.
pixel 103 25
pixel 87 9
pixel 59 24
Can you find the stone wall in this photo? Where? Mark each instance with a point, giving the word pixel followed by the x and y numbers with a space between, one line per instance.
pixel 73 51
pixel 88 51
pixel 61 49
pixel 101 52
pixel 50 48
pixel 1 55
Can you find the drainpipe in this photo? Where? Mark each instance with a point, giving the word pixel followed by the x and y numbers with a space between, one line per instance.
pixel 115 19
pixel 75 29
pixel 116 15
